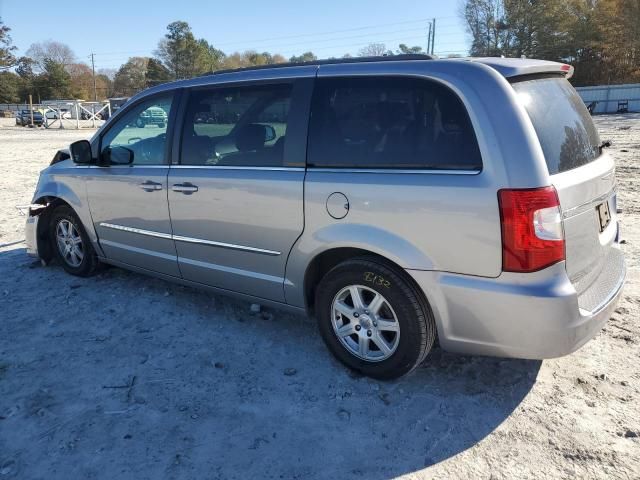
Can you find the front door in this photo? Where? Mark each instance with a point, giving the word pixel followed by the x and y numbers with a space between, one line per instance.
pixel 236 198
pixel 128 195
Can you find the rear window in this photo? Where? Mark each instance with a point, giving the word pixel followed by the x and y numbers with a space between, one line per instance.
pixel 568 137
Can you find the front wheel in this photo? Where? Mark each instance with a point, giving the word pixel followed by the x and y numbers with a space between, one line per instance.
pixel 373 319
pixel 71 244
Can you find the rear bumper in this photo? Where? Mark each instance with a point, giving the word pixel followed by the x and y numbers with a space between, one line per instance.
pixel 534 315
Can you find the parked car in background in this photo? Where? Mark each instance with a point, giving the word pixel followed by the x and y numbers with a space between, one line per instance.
pixel 53 114
pixel 399 200
pixel 23 118
pixel 152 116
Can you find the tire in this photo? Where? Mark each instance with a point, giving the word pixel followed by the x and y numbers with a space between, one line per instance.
pixel 161 125
pixel 83 264
pixel 408 308
pixel 140 123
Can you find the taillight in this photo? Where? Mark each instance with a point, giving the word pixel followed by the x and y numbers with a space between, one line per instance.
pixel 532 234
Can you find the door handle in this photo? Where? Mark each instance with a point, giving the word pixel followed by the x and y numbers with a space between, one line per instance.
pixel 150 186
pixel 186 188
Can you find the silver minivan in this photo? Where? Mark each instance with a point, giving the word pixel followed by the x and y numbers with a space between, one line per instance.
pixel 400 200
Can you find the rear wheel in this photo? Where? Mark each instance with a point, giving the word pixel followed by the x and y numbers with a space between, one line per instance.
pixel 140 123
pixel 372 318
pixel 71 244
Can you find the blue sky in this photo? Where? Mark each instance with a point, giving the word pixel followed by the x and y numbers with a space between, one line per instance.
pixel 119 29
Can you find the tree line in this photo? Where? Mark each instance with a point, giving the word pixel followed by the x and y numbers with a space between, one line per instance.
pixel 600 38
pixel 51 70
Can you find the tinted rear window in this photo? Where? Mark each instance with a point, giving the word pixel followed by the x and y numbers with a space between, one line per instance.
pixel 390 123
pixel 568 137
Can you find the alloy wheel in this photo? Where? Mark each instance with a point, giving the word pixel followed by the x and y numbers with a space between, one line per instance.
pixel 69 243
pixel 365 323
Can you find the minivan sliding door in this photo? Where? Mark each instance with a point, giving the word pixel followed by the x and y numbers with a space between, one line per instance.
pixel 236 198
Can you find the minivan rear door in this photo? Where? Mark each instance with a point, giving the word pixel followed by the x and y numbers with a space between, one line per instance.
pixel 582 173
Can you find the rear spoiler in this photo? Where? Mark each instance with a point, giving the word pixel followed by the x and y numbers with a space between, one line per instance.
pixel 518 67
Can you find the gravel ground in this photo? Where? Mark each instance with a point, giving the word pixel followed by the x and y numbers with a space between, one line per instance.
pixel 123 376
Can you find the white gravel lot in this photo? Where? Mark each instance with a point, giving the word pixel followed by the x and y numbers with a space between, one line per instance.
pixel 123 376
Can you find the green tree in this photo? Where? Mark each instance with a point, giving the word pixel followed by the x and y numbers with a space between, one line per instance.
pixel 601 39
pixel 156 73
pixel 209 58
pixel 404 49
pixel 305 57
pixel 180 52
pixel 131 77
pixel 9 87
pixel 251 58
pixel 24 67
pixel 54 82
pixel 7 59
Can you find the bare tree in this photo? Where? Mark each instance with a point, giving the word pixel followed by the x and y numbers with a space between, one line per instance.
pixel 110 73
pixel 373 50
pixel 51 50
pixel 487 25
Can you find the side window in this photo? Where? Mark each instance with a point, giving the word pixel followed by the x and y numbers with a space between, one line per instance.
pixel 240 126
pixel 139 137
pixel 400 123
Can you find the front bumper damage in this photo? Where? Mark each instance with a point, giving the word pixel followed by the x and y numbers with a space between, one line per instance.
pixel 31 227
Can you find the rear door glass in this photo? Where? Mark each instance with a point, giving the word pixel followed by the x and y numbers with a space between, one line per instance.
pixel 390 123
pixel 568 137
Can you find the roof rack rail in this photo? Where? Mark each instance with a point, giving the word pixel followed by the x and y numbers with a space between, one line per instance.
pixel 329 61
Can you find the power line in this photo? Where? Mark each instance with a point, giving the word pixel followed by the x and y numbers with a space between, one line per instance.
pixel 309 45
pixel 421 20
pixel 316 34
pixel 356 45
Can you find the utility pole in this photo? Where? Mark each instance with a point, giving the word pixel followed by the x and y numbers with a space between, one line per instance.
pixel 31 109
pixel 433 36
pixel 429 39
pixel 95 90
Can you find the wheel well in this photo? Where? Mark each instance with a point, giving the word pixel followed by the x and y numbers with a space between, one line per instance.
pixel 45 250
pixel 325 261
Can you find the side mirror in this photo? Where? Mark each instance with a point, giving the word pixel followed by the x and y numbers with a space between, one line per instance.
pixel 269 133
pixel 81 152
pixel 116 156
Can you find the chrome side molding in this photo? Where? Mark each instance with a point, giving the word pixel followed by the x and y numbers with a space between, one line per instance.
pixel 139 231
pixel 200 241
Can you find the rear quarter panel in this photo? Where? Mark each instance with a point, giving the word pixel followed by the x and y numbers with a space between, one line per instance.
pixel 427 221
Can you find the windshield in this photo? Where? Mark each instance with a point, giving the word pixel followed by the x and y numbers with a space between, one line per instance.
pixel 568 137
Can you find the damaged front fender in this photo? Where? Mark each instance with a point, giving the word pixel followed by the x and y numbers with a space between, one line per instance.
pixel 33 213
